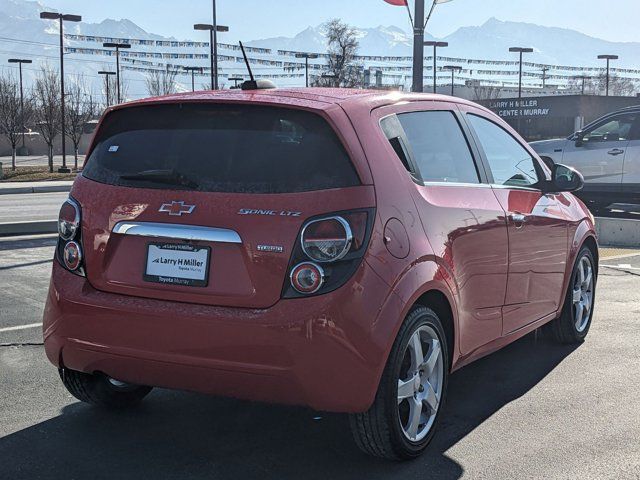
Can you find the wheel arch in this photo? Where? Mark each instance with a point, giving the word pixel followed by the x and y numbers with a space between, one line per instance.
pixel 439 303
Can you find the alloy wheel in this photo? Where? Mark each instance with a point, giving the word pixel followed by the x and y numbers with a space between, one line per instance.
pixel 420 383
pixel 582 294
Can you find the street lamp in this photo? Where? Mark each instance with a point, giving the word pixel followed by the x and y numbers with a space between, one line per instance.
pixel 193 70
pixel 520 50
pixel 435 46
pixel 62 18
pixel 608 58
pixel 306 57
pixel 20 61
pixel 213 44
pixel 453 69
pixel 117 46
pixel 106 82
pixel 419 25
pixel 235 80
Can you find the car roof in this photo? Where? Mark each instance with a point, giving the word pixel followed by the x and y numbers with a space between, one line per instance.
pixel 314 98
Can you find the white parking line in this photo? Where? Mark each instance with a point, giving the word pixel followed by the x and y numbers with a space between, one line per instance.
pixel 622 266
pixel 20 327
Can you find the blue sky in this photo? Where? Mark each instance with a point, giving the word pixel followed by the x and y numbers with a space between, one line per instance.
pixel 616 20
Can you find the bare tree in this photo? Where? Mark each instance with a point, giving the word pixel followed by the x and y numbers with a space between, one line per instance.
pixel 342 46
pixel 485 92
pixel 47 108
pixel 80 108
pixel 161 82
pixel 12 116
pixel 597 85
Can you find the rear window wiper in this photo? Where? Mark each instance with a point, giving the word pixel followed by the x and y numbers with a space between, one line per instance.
pixel 168 176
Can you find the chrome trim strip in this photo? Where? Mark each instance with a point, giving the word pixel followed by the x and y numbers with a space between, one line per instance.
pixel 514 187
pixel 455 184
pixel 177 231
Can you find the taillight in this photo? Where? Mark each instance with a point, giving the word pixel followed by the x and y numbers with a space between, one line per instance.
pixel 72 255
pixel 307 277
pixel 329 252
pixel 69 219
pixel 69 251
pixel 326 239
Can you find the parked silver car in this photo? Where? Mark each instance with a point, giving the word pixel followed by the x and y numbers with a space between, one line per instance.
pixel 607 153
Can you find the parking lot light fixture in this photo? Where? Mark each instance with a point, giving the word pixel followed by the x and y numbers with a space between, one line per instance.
pixel 306 57
pixel 608 58
pixel 107 74
pixel 117 46
pixel 20 61
pixel 453 69
pixel 213 47
pixel 193 70
pixel 520 51
pixel 435 45
pixel 61 17
pixel 235 80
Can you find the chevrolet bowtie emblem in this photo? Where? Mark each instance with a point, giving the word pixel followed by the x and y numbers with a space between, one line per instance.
pixel 176 208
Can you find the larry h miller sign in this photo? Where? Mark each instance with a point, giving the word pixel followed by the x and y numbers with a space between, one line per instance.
pixel 528 108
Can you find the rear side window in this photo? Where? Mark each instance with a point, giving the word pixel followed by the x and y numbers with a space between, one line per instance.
pixel 438 147
pixel 510 163
pixel 220 148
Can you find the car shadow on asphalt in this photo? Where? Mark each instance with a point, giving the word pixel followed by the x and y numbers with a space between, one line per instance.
pixel 184 435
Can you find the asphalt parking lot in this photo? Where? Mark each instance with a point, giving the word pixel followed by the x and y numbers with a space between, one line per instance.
pixel 532 410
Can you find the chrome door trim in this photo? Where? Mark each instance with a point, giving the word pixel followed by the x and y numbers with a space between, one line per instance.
pixel 177 231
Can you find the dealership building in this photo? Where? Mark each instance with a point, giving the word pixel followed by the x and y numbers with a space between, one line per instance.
pixel 539 118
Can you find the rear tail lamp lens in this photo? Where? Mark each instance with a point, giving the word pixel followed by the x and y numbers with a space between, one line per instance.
pixel 68 220
pixel 327 239
pixel 307 277
pixel 72 255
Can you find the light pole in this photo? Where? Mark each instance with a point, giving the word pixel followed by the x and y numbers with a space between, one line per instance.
pixel 106 82
pixel 20 61
pixel 62 18
pixel 235 80
pixel 453 69
pixel 608 58
pixel 435 46
pixel 520 51
pixel 117 46
pixel 193 70
pixel 419 25
pixel 213 39
pixel 306 57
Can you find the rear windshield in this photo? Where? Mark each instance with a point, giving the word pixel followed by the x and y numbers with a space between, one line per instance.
pixel 219 148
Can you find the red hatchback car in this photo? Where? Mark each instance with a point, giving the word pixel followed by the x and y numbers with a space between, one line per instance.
pixel 340 249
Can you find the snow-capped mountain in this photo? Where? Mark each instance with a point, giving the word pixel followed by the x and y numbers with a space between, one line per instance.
pixel 24 34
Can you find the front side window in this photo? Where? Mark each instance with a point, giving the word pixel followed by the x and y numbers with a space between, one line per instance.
pixel 438 147
pixel 612 130
pixel 510 163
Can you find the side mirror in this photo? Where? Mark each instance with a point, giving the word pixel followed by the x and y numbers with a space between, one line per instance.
pixel 579 138
pixel 564 179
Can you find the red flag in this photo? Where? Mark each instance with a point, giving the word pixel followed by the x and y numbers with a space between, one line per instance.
pixel 397 3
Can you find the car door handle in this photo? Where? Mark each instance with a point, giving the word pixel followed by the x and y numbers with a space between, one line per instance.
pixel 518 218
pixel 616 151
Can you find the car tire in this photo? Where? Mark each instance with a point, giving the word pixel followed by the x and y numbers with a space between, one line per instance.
pixel 568 328
pixel 385 430
pixel 102 391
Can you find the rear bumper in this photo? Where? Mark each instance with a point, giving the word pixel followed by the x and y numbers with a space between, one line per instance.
pixel 317 352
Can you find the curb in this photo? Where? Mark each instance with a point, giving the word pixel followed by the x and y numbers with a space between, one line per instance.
pixel 618 232
pixel 28 228
pixel 35 189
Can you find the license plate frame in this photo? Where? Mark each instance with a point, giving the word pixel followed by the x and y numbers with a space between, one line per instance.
pixel 174 250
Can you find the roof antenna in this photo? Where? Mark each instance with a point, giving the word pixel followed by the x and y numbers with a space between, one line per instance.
pixel 253 84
